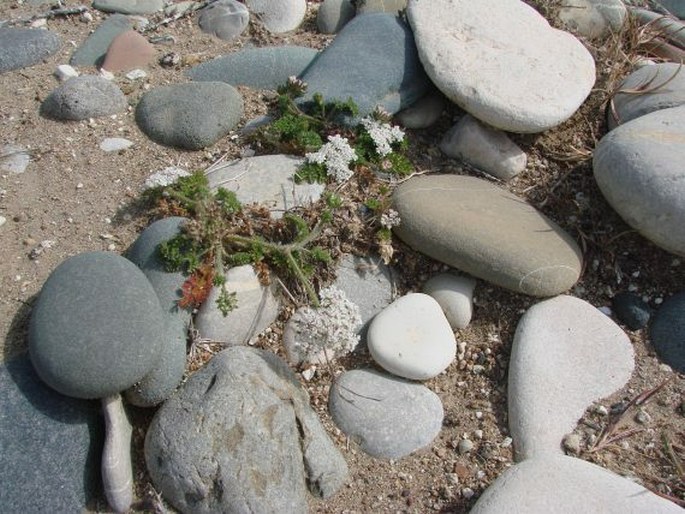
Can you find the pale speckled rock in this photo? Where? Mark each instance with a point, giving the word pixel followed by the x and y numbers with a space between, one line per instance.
pixel 14 159
pixel 593 18
pixel 555 372
pixel 487 232
pixel 20 48
pixel 474 54
pixel 129 6
pixel 256 309
pixel 485 148
pixel 92 51
pixel 665 83
pixel 638 167
pixel 387 416
pixel 424 113
pixel 333 15
pixel 387 6
pixel 454 294
pixel 80 98
pixel 267 180
pixel 566 485
pixel 411 338
pixel 225 19
pixel 281 16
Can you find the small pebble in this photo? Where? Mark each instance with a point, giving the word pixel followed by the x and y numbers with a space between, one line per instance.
pixel 572 443
pixel 136 74
pixel 64 72
pixel 478 434
pixel 3 220
pixel 601 410
pixel 643 417
pixel 465 446
pixel 506 443
pixel 467 493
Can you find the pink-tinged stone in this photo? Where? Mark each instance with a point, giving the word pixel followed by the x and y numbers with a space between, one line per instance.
pixel 127 51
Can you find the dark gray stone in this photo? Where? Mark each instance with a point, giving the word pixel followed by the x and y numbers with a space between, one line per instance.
pixel 190 116
pixel 333 15
pixel 97 327
pixel 50 444
pixel 20 48
pixel 668 332
pixel 675 7
pixel 259 68
pixel 374 61
pixel 388 416
pixel 631 310
pixel 129 6
pixel 80 98
pixel 240 436
pixel 93 50
pixel 225 19
pixel 664 86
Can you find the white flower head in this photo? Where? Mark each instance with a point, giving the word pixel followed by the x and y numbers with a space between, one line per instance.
pixel 166 177
pixel 383 135
pixel 390 218
pixel 336 155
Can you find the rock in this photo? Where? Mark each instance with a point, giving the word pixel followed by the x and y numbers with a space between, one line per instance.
pixel 95 328
pixel 127 51
pixel 14 159
pixel 3 220
pixel 387 416
pixel 487 232
pixel 465 446
pixel 266 180
pixel 485 148
pixel 256 309
pixel 333 15
pixel 593 18
pixel 668 332
pixel 259 445
pixel 20 48
pixel 373 60
pixel 664 86
pixel 631 310
pixel 386 6
pixel 565 355
pixel 278 17
pixel 225 19
pixel 474 54
pixel 92 51
pixel 258 68
pixel 50 444
pixel 190 116
pixel 129 6
pixel 115 144
pixel 675 7
pixel 84 97
pixel 411 338
pixel 454 294
pixel 561 484
pixel 117 470
pixel 424 113
pixel 634 169
pixel 64 72
pixel 571 443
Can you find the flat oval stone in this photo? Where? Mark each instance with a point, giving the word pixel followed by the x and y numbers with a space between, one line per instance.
pixel 225 19
pixel 92 51
pixel 96 328
pixel 20 48
pixel 387 416
pixel 593 18
pixel 486 231
pixel 476 54
pixel 411 338
pixel 127 51
pixel 639 169
pixel 454 294
pixel 80 98
pixel 129 6
pixel 281 16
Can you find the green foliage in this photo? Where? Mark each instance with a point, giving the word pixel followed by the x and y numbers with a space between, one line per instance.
pixel 397 164
pixel 333 201
pixel 311 172
pixel 373 203
pixel 226 301
pixel 320 254
pixel 181 253
pixel 384 234
pixel 298 226
pixel 228 201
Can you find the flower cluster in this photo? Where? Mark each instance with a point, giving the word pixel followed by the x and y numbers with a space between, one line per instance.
pixel 166 177
pixel 382 134
pixel 336 155
pixel 390 218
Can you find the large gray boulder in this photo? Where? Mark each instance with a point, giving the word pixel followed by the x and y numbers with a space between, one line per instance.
pixel 20 48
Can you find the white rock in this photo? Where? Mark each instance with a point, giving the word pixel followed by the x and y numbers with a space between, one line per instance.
pixel 455 296
pixel 3 220
pixel 64 72
pixel 256 309
pixel 593 18
pixel 502 62
pixel 566 485
pixel 115 144
pixel 484 147
pixel 411 338
pixel 14 159
pixel 281 16
pixel 136 74
pixel 565 355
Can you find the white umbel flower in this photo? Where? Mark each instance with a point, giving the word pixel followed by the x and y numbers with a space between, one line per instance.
pixel 166 177
pixel 336 155
pixel 383 135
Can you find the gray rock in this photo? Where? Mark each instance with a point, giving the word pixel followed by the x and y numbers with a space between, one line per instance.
pixel 50 444
pixel 485 148
pixel 278 17
pixel 96 327
pixel 556 372
pixel 129 6
pixel 266 180
pixel 80 98
pixel 454 294
pixel 386 6
pixel 373 60
pixel 474 53
pixel 259 444
pixel 487 232
pixel 664 86
pixel 117 469
pixel 333 15
pixel 93 50
pixel 635 168
pixel 256 309
pixel 424 113
pixel 593 18
pixel 190 116
pixel 20 48
pixel 225 19
pixel 631 310
pixel 668 332
pixel 675 7
pixel 259 68
pixel 115 144
pixel 387 416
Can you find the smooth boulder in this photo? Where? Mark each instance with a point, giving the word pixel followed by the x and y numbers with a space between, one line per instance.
pixel 93 50
pixel 225 19
pixel 20 48
pixel 84 97
pixel 278 17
